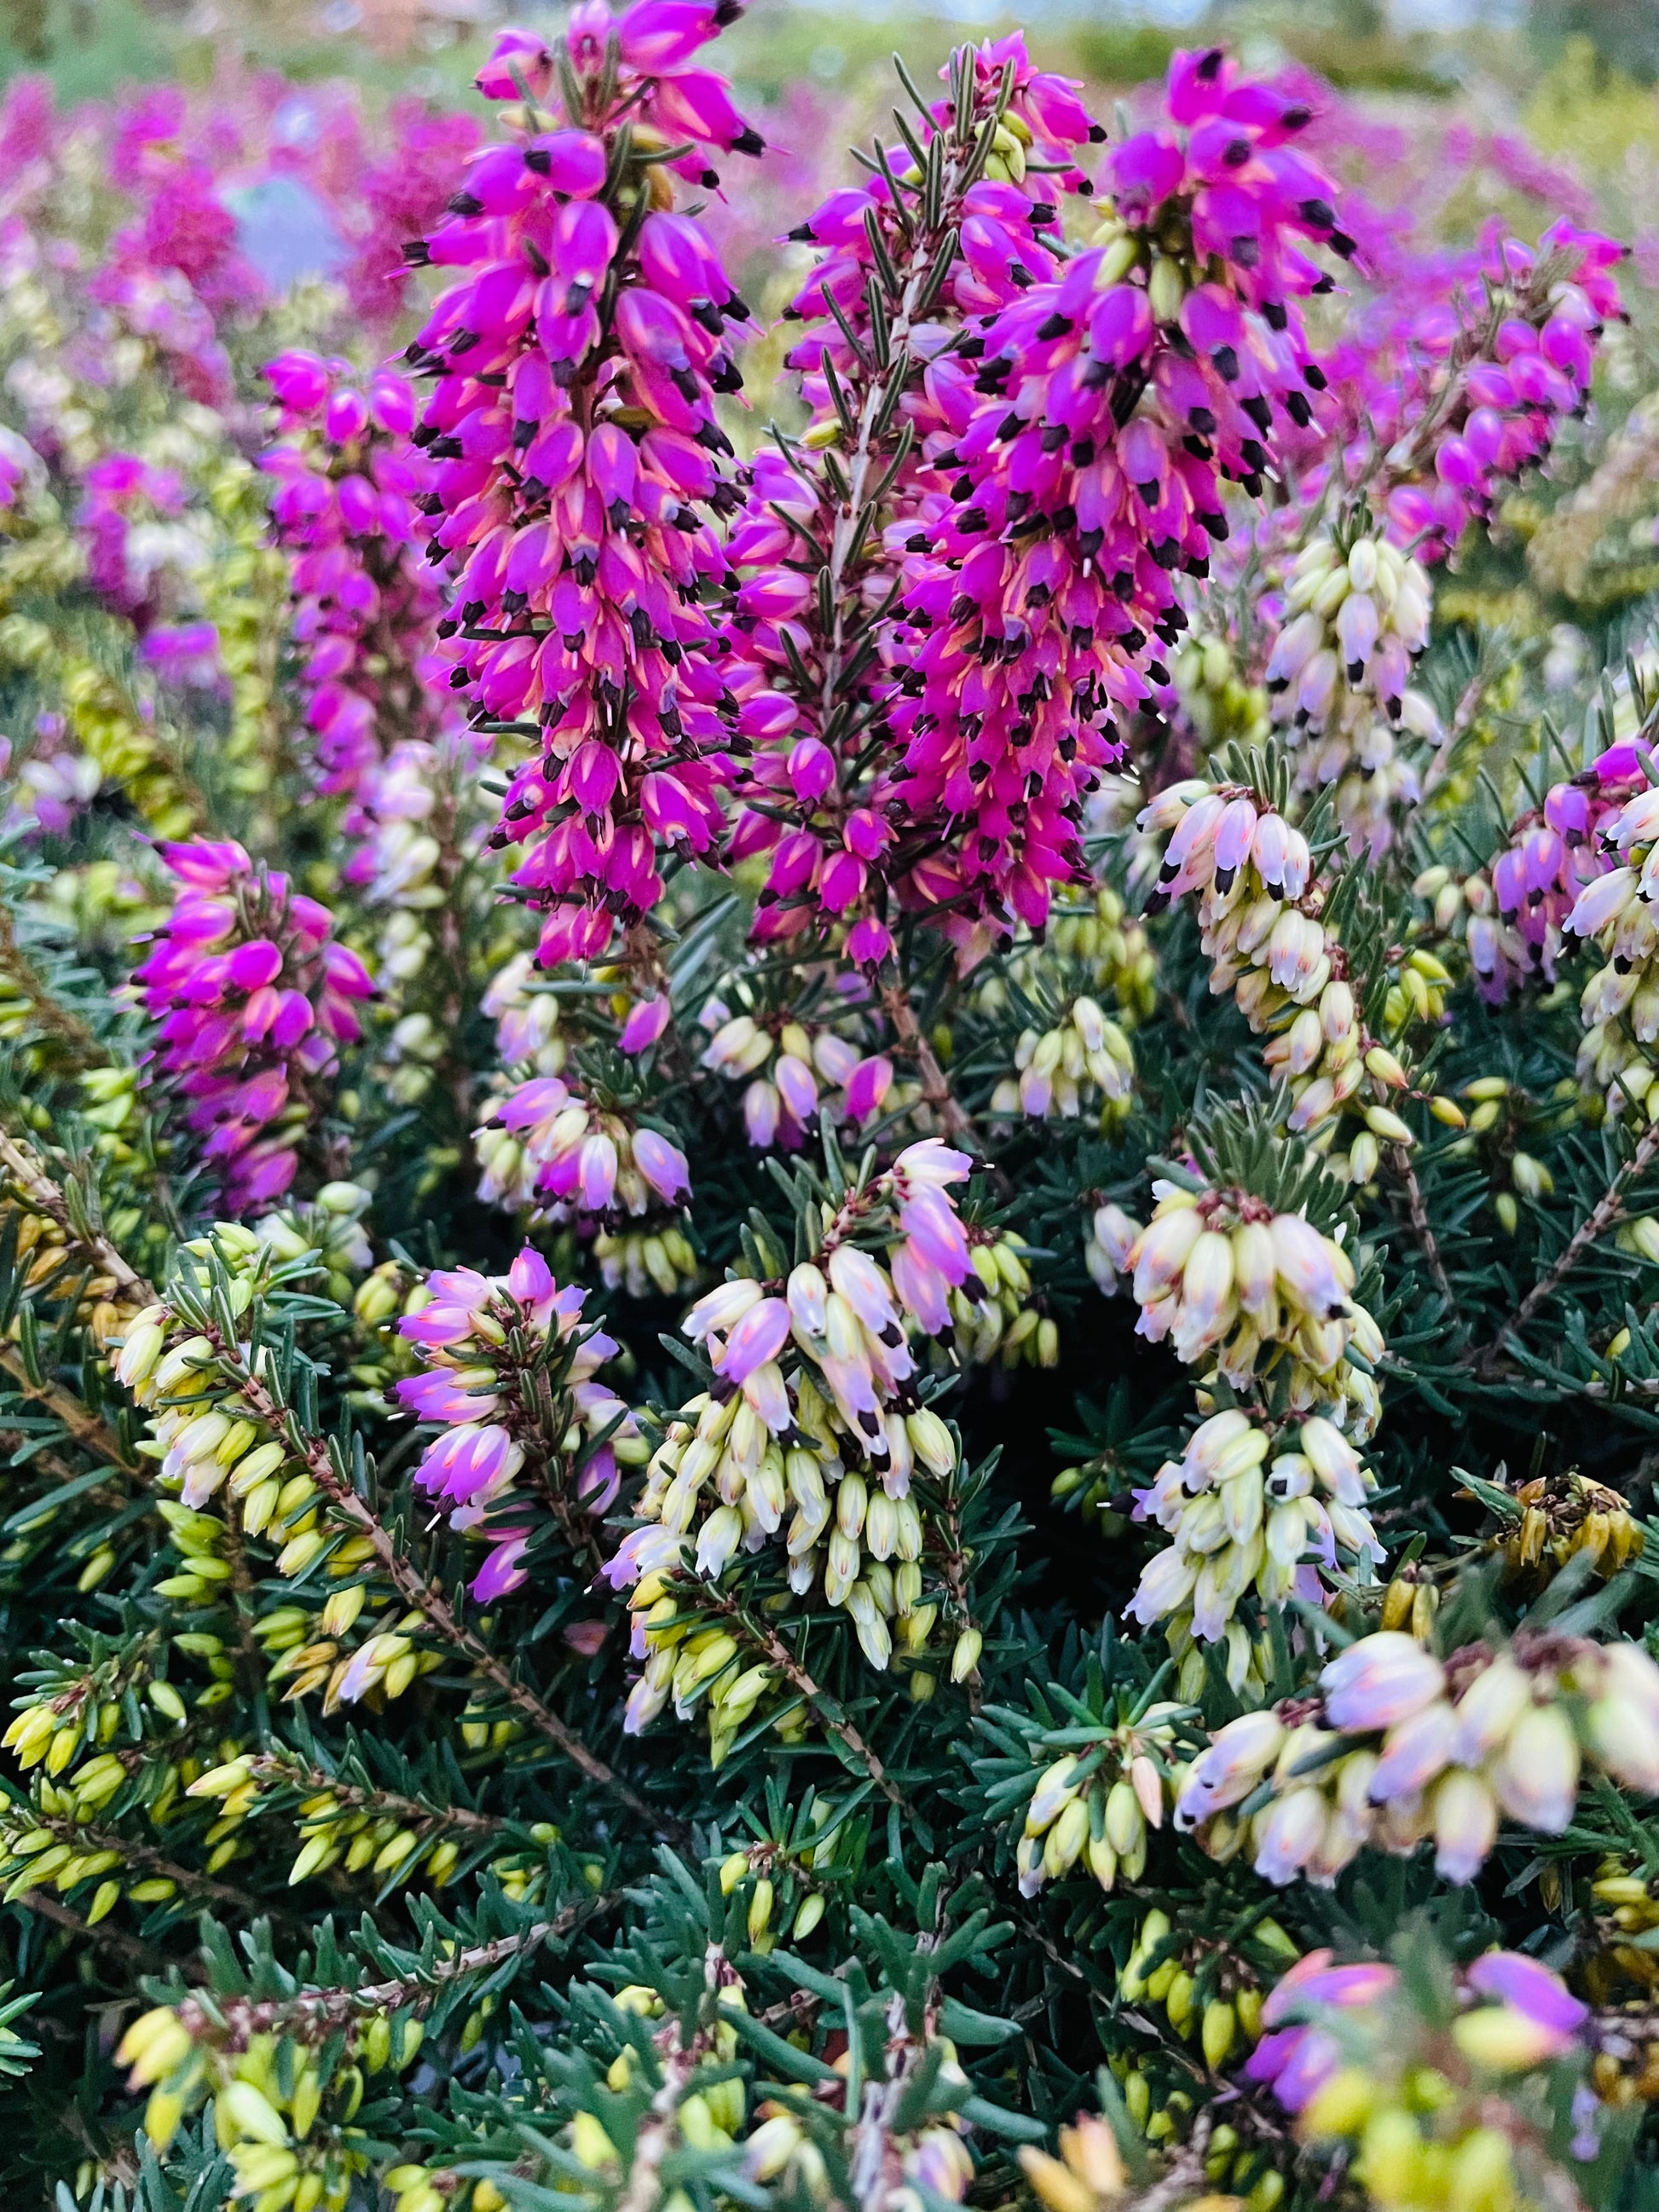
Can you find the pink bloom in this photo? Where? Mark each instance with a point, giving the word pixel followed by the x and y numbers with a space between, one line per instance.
pixel 868 1085
pixel 662 1165
pixel 227 1040
pixel 760 1336
pixel 647 1020
pixel 502 1572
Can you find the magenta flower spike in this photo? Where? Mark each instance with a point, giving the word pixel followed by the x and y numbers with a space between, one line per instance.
pixel 815 677
pixel 1109 404
pixel 347 486
pixel 252 1000
pixel 577 456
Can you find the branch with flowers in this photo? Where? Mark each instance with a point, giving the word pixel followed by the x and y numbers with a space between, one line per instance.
pixel 630 997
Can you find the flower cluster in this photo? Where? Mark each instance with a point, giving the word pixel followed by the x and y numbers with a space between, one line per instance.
pixel 1207 1983
pixel 252 999
pixel 1110 403
pixel 1082 1057
pixel 815 1408
pixel 1247 1508
pixel 575 455
pixel 1259 912
pixel 509 1370
pixel 526 1018
pixel 286 2128
pixel 1620 1002
pixel 1338 676
pixel 791 1072
pixel 548 1148
pixel 1411 2102
pixel 366 612
pixel 1401 1748
pixel 908 260
pixel 1232 1284
pixel 1473 386
pixel 130 522
pixel 993 1312
pixel 1518 908
pixel 1097 1805
pixel 403 194
pixel 1021 756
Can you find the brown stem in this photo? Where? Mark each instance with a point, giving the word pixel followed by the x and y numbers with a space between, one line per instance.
pixel 954 1572
pixel 144 1860
pixel 416 1591
pixel 105 1936
pixel 1416 1213
pixel 862 464
pixel 1608 1209
pixel 288 1769
pixel 870 2152
pixel 935 1084
pixel 243 1604
pixel 778 1654
pixel 385 1996
pixel 87 1431
pixel 315 2015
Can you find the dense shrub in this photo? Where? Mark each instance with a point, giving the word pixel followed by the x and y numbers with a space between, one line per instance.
pixel 827 1362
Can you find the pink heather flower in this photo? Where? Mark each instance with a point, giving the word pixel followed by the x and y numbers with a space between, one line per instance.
pixel 1298 2061
pixel 485 1342
pixel 760 1336
pixel 1552 858
pixel 1513 1979
pixel 1456 420
pixel 1229 1766
pixel 647 1020
pixel 252 1000
pixel 868 1085
pixel 347 486
pixel 402 195
pixel 54 782
pixel 663 1165
pixel 546 1148
pixel 1092 440
pixel 573 429
pixel 121 491
pixel 1379 1681
pixel 503 1571
pixel 185 655
pixel 811 761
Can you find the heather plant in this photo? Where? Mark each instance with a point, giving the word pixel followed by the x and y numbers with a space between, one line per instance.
pixel 826 1366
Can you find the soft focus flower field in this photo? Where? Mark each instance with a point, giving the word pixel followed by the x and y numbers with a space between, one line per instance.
pixel 828 1123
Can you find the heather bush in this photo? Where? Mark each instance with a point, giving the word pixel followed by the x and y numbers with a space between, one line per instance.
pixel 828 1143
